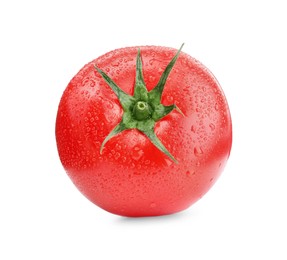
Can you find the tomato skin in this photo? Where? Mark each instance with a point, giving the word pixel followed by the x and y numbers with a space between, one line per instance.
pixel 132 177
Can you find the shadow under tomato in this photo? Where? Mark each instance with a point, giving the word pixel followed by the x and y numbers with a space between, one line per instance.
pixel 152 219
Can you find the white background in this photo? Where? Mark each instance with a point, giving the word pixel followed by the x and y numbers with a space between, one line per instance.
pixel 44 44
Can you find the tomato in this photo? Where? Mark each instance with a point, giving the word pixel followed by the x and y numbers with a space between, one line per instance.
pixel 144 131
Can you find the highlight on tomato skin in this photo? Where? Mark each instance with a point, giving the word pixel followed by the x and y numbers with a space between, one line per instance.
pixel 144 131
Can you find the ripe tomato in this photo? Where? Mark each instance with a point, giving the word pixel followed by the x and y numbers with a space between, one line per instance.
pixel 144 131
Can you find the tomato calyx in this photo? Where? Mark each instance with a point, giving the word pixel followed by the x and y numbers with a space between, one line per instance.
pixel 143 109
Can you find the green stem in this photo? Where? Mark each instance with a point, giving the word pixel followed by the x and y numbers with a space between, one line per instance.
pixel 141 110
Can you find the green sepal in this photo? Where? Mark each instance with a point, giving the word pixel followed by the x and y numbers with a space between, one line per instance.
pixel 128 120
pixel 118 129
pixel 161 111
pixel 125 99
pixel 156 93
pixel 154 139
pixel 146 126
pixel 140 92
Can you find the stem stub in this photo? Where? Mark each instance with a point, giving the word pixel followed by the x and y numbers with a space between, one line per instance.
pixel 141 110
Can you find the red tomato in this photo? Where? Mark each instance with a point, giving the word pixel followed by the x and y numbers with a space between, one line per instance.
pixel 144 131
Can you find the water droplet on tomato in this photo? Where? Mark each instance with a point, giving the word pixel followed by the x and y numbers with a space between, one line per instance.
pixel 137 153
pixel 168 162
pixel 169 99
pixel 151 78
pixel 147 162
pixel 160 70
pixel 110 105
pixel 212 126
pixel 117 155
pixel 152 205
pixel 193 129
pixel 190 173
pixel 115 63
pixel 151 61
pixel 197 151
pixel 118 147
